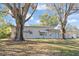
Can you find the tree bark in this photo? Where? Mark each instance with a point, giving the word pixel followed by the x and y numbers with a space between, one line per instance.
pixel 19 32
pixel 63 32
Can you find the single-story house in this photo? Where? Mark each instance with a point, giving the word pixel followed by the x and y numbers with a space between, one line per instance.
pixel 44 32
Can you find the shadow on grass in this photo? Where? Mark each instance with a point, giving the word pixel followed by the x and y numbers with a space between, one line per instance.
pixel 39 48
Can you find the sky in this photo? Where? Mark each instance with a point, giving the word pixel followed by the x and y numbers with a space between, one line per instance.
pixel 41 9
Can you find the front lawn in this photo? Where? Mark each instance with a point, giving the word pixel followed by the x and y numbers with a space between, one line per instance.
pixel 40 47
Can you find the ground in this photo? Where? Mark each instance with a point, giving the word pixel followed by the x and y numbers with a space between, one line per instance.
pixel 40 47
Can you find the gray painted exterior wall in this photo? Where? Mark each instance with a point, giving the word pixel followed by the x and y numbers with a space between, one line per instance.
pixel 42 32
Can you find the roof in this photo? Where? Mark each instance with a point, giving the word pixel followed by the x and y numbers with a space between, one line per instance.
pixel 40 26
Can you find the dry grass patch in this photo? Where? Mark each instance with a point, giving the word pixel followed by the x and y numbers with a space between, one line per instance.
pixel 39 47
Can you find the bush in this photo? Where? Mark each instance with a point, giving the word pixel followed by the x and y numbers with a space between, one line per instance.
pixel 5 32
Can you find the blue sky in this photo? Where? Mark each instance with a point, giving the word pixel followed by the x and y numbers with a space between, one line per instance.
pixel 74 19
pixel 41 9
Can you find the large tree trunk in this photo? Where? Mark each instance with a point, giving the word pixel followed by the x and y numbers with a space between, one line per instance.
pixel 63 32
pixel 19 32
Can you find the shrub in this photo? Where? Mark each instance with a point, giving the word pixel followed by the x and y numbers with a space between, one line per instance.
pixel 5 32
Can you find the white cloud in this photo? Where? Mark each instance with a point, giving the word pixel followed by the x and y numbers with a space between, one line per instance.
pixel 42 7
pixel 27 24
pixel 72 20
pixel 28 16
pixel 38 21
pixel 77 14
pixel 72 16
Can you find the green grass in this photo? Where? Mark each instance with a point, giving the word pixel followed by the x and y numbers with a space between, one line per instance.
pixel 40 47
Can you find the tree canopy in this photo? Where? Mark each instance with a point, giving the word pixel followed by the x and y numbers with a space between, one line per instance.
pixel 48 20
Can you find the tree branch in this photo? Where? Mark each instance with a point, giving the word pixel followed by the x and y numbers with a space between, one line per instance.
pixel 67 13
pixel 58 13
pixel 74 11
pixel 9 6
pixel 31 14
pixel 25 9
pixel 70 8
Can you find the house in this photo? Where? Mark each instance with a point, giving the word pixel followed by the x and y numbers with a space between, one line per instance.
pixel 43 32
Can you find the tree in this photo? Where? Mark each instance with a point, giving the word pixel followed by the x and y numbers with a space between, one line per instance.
pixel 47 20
pixel 19 11
pixel 2 14
pixel 4 28
pixel 63 10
